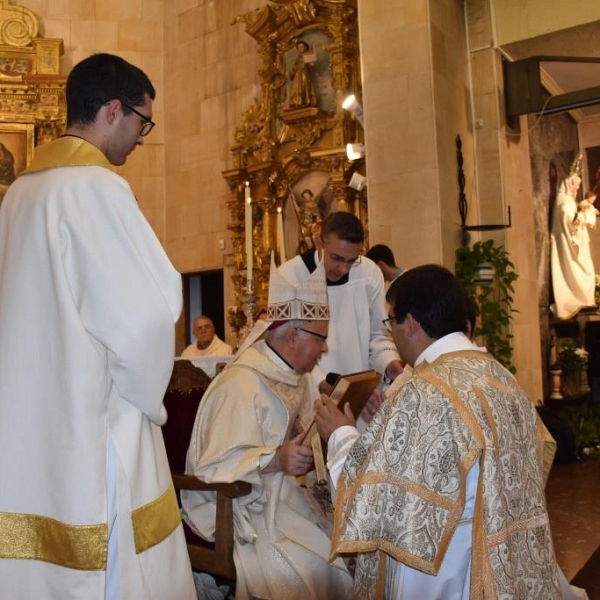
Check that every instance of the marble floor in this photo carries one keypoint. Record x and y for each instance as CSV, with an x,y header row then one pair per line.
x,y
573,497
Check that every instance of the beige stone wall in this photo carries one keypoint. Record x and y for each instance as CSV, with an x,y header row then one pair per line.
x,y
211,77
134,30
415,75
205,73
427,83
400,133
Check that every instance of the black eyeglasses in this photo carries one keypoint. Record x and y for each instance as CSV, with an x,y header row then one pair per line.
x,y
322,337
389,322
148,123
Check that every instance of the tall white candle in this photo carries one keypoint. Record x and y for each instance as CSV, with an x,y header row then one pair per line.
x,y
280,237
248,215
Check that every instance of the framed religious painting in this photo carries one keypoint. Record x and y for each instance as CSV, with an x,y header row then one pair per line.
x,y
16,151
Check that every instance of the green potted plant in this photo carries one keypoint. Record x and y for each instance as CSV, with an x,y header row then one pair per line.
x,y
573,362
488,275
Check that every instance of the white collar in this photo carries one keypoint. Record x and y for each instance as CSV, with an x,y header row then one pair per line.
x,y
452,342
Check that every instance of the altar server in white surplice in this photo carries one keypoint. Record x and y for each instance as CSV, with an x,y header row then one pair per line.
x,y
247,429
87,507
357,340
443,495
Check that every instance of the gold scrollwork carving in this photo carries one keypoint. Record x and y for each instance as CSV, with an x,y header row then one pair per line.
x,y
18,25
32,91
290,144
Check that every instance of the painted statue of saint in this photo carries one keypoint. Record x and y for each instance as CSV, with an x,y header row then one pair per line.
x,y
302,90
573,274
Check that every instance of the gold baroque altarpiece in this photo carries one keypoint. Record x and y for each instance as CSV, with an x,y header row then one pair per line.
x,y
31,88
291,144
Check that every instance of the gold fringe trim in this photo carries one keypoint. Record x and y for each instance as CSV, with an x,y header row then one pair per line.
x,y
155,521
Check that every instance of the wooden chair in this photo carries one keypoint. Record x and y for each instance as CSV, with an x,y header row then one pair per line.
x,y
182,398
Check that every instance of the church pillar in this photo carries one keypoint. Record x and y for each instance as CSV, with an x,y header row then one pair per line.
x,y
425,80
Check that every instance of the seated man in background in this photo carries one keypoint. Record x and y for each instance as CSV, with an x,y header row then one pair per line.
x,y
357,339
443,495
247,429
207,342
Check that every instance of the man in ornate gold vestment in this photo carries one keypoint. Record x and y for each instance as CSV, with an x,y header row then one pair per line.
x,y
443,495
247,429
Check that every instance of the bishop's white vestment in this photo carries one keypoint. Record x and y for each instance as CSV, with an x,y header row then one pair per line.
x,y
88,301
246,413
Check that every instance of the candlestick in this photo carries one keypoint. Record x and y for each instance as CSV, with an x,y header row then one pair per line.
x,y
249,252
280,236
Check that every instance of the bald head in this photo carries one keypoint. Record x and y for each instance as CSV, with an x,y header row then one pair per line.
x,y
204,330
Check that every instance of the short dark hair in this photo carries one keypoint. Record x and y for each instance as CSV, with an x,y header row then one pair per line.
x,y
433,296
383,253
345,225
471,313
99,79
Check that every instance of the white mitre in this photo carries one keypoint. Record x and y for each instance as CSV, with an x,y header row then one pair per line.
x,y
305,300
287,301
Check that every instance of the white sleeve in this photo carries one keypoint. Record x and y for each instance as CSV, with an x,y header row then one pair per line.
x,y
382,349
128,294
338,447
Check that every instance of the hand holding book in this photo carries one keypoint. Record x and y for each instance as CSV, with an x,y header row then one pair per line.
x,y
354,390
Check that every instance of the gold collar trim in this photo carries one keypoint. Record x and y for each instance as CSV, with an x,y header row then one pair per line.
x,y
67,151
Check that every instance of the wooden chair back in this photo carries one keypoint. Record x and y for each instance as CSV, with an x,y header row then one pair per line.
x,y
182,398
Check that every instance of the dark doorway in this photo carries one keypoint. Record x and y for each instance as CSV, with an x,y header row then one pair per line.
x,y
203,295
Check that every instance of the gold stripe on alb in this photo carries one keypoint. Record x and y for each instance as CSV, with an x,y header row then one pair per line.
x,y
155,521
33,537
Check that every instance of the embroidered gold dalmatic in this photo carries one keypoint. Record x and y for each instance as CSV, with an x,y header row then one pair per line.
x,y
402,490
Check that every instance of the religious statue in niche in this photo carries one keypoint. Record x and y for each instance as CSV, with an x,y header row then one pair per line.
x,y
572,269
309,73
302,91
309,217
311,200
